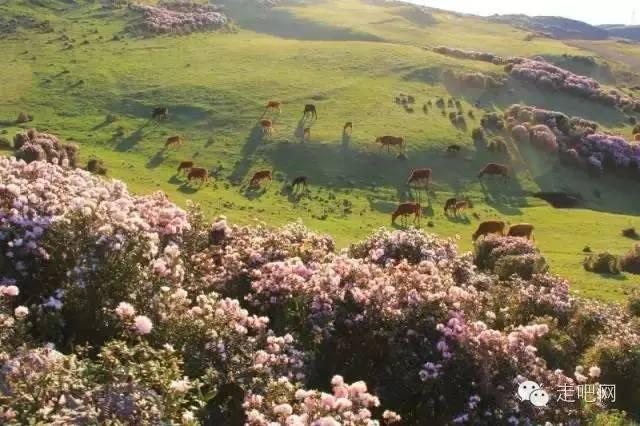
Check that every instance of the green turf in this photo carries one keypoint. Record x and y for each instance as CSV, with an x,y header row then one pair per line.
x,y
350,59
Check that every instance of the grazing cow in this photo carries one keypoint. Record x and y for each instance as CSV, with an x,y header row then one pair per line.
x,y
198,173
161,113
449,204
267,126
407,209
173,141
390,141
494,169
310,109
452,149
273,106
524,230
306,134
184,165
420,176
348,128
460,206
259,176
300,180
489,227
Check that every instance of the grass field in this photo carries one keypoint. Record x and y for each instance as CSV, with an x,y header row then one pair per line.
x,y
351,59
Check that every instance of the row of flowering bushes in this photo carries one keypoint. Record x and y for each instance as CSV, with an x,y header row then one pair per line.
x,y
548,76
577,140
179,17
116,308
471,54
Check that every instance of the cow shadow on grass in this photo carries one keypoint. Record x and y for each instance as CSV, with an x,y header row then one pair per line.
x,y
157,159
333,165
253,193
128,142
251,144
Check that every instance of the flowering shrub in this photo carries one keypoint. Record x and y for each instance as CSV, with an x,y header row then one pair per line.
x,y
543,139
630,262
552,77
491,248
602,263
190,322
470,54
180,17
35,146
285,403
412,245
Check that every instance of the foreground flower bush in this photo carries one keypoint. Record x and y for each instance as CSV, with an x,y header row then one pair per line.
x,y
124,309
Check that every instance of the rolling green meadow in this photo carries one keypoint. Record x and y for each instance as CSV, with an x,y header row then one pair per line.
x,y
350,58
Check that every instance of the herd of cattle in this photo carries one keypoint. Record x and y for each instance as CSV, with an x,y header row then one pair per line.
x,y
419,178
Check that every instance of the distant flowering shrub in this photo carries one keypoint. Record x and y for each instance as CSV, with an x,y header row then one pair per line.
x,y
36,146
190,322
470,54
552,77
181,17
577,140
602,263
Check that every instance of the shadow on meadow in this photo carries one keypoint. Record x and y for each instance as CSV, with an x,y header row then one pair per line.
x,y
251,144
333,165
281,22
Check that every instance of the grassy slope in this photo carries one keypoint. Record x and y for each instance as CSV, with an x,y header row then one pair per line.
x,y
350,59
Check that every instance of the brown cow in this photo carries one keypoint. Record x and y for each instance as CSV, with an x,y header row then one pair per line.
x,y
348,128
267,126
300,180
310,109
389,141
173,141
406,209
420,176
460,206
489,227
198,173
306,134
259,176
494,169
161,113
524,230
449,204
184,165
273,106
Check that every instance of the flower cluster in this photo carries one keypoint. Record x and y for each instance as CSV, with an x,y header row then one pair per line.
x,y
37,146
287,404
411,245
195,322
180,17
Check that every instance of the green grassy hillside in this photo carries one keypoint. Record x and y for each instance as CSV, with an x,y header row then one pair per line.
x,y
351,59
